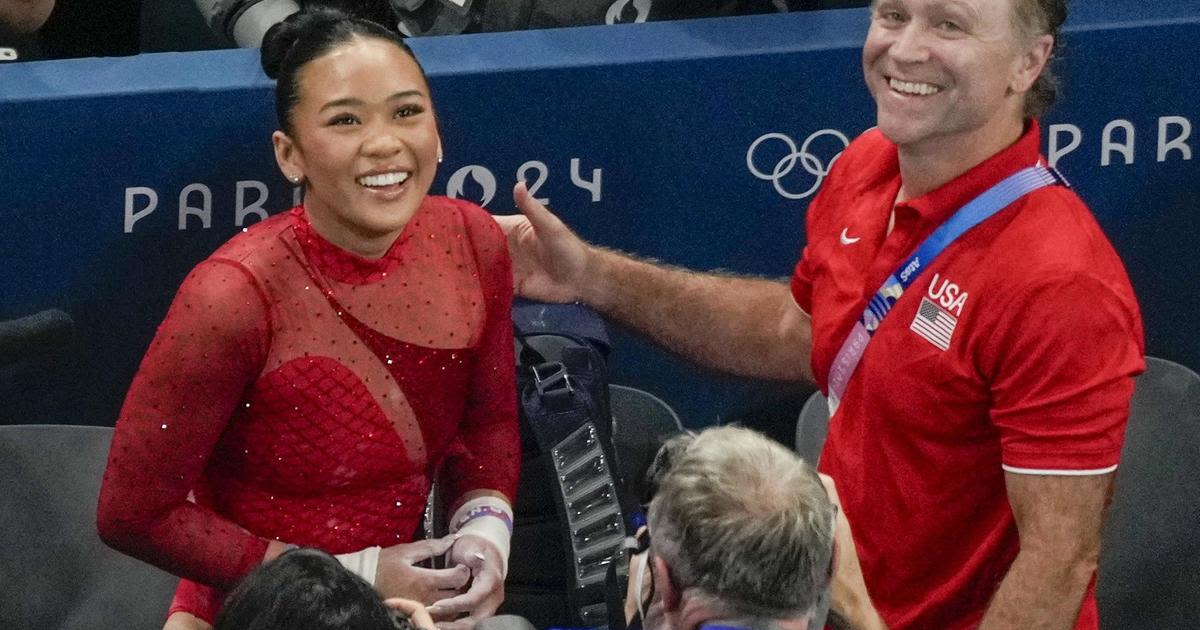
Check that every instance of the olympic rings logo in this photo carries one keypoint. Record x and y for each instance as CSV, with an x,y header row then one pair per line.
x,y
810,162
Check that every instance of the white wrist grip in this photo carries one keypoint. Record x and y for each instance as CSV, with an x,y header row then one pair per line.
x,y
361,563
488,517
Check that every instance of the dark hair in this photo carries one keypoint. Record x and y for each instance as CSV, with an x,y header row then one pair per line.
x,y
1034,18
378,11
291,44
306,589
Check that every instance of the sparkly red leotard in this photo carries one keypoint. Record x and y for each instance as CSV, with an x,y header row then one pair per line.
x,y
302,393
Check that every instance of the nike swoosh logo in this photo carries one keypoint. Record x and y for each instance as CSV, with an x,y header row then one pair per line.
x,y
846,240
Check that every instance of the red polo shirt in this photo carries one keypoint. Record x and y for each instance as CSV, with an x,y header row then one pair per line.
x,y
1015,351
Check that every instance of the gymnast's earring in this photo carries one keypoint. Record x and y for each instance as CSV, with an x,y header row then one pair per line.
x,y
441,156
295,179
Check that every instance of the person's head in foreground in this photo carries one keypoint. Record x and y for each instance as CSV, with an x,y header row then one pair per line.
x,y
308,589
741,532
357,125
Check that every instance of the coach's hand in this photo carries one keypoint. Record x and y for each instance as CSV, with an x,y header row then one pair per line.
x,y
550,263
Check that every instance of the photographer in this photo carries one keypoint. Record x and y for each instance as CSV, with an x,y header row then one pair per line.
x,y
741,536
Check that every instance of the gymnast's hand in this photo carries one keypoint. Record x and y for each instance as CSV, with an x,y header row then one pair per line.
x,y
487,585
550,263
414,610
396,575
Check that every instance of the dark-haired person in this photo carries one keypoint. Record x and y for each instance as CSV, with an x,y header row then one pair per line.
x,y
308,589
315,373
979,395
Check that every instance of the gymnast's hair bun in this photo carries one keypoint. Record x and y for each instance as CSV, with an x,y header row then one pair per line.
x,y
282,37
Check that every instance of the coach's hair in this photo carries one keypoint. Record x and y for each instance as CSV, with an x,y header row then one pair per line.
x,y
743,523
1034,18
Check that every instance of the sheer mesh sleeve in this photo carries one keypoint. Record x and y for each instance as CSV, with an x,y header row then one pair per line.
x,y
209,348
490,457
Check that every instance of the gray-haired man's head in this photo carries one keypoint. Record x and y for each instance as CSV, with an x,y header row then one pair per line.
x,y
744,524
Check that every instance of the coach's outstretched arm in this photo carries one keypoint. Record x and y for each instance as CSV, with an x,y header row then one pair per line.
x,y
746,326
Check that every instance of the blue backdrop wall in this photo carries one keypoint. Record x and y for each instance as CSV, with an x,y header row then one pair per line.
x,y
671,140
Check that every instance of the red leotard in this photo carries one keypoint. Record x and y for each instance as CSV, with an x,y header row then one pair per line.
x,y
301,393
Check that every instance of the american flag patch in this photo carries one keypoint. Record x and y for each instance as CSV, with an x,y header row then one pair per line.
x,y
934,324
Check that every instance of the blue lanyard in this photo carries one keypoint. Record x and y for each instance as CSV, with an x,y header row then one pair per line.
x,y
973,213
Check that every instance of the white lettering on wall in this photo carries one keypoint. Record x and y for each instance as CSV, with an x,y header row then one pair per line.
x,y
1179,142
204,212
196,202
1109,146
256,208
543,172
1120,137
478,183
592,186
1055,152
131,195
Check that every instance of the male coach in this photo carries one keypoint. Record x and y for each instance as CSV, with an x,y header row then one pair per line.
x,y
973,328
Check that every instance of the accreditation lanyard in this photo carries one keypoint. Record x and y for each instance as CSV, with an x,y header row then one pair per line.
x,y
973,213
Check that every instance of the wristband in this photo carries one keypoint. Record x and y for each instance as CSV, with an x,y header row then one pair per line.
x,y
490,518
